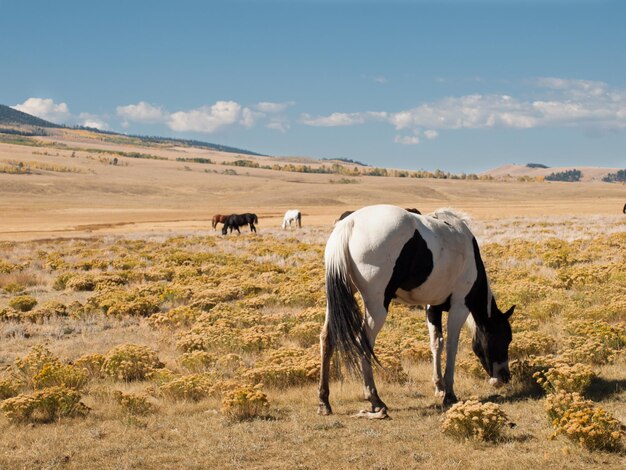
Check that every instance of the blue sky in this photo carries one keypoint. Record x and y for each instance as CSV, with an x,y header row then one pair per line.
x,y
461,85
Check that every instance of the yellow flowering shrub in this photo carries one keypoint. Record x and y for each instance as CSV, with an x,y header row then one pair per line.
x,y
197,361
192,387
134,404
44,405
588,351
8,388
306,334
523,370
223,336
531,343
178,317
26,368
416,350
54,374
50,309
565,378
391,369
474,420
79,282
285,367
130,362
581,421
245,403
91,363
23,303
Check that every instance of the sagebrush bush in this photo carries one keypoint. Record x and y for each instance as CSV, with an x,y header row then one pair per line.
x,y
134,404
192,387
245,403
130,362
23,303
565,378
44,406
197,361
55,374
50,309
531,343
285,367
474,420
91,363
9,388
583,422
26,368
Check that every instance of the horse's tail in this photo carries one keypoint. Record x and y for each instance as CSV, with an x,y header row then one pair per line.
x,y
214,222
300,219
344,322
256,219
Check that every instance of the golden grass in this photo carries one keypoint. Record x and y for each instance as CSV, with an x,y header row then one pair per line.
x,y
261,300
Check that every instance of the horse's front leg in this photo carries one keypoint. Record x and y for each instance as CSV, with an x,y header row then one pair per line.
x,y
326,351
433,319
456,318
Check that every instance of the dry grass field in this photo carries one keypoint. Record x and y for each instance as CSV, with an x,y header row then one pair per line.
x,y
135,336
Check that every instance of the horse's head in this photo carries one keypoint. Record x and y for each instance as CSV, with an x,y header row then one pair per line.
x,y
491,345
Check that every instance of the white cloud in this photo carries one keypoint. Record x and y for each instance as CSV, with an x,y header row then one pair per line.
x,y
45,108
335,119
407,139
279,125
141,112
271,108
567,103
93,120
206,119
249,117
381,79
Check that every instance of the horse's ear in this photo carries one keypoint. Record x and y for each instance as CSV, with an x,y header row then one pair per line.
x,y
509,312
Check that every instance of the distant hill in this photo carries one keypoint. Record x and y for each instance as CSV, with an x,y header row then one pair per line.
x,y
10,116
589,173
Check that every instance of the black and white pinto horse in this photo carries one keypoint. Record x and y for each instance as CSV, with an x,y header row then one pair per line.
x,y
386,252
234,221
292,215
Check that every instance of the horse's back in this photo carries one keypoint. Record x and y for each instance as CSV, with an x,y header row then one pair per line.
x,y
387,239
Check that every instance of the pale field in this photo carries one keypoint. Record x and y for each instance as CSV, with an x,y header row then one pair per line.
x,y
149,201
144,195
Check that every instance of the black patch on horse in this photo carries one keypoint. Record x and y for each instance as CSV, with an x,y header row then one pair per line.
x,y
476,299
412,268
433,313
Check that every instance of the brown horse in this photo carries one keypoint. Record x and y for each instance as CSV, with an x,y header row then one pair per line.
x,y
218,219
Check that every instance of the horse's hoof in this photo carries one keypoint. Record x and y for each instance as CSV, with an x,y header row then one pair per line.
x,y
380,414
324,410
449,399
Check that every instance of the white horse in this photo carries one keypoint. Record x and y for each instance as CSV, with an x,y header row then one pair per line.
x,y
386,252
293,215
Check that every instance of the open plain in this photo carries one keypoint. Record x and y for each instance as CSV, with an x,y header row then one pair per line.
x,y
177,347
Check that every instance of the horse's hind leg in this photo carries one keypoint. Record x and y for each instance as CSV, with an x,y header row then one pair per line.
x,y
433,315
326,351
374,319
252,227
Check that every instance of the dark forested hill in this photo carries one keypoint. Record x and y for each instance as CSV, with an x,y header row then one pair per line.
x,y
13,116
